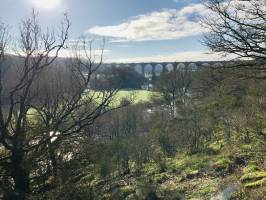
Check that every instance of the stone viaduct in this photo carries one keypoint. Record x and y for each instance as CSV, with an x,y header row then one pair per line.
x,y
151,69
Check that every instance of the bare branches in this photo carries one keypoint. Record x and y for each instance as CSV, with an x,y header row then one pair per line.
x,y
237,27
175,86
36,52
49,101
3,40
73,102
3,44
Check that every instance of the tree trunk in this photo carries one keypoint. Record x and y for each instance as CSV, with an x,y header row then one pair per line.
x,y
53,161
20,175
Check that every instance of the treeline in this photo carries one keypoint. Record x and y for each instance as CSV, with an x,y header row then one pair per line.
x,y
118,77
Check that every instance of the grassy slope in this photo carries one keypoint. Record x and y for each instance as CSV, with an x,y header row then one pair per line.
x,y
137,95
197,176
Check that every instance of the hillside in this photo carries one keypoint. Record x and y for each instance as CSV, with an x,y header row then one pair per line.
x,y
220,172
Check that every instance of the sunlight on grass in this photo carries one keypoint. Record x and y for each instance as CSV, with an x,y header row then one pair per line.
x,y
133,96
137,96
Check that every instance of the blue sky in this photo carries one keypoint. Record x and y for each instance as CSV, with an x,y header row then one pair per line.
x,y
135,30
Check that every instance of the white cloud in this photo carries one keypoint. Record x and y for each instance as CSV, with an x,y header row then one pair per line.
x,y
164,25
191,56
96,53
45,4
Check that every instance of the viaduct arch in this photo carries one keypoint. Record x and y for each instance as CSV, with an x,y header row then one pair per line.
x,y
154,69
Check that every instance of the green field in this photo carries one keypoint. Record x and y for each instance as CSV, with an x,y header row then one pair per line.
x,y
137,96
134,96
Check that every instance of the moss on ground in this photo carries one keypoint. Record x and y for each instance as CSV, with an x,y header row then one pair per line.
x,y
257,183
186,176
251,167
254,179
222,166
201,188
189,163
127,190
253,176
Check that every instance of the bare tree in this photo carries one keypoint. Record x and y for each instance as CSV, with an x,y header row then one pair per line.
x,y
3,46
47,105
237,27
36,54
175,87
